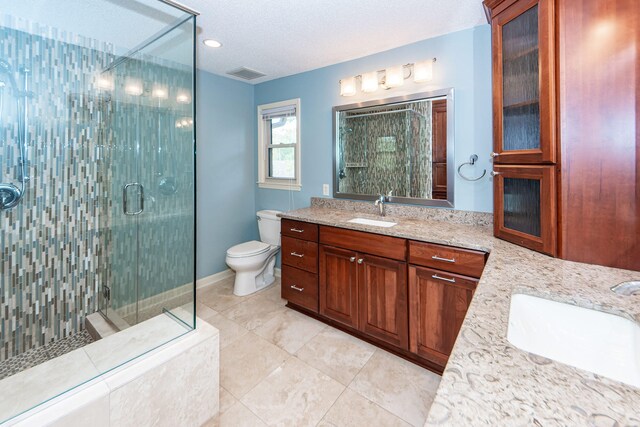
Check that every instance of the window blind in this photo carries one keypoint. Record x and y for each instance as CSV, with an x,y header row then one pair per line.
x,y
278,112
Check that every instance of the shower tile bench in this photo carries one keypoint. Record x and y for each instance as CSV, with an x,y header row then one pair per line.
x,y
164,383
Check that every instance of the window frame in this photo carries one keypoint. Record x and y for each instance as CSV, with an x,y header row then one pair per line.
x,y
264,144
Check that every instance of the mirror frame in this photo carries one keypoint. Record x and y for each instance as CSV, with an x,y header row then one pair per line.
x,y
448,93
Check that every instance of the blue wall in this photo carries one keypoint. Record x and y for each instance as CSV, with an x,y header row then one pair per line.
x,y
225,169
228,196
463,62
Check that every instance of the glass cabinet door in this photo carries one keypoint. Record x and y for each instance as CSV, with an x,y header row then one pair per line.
x,y
523,62
525,206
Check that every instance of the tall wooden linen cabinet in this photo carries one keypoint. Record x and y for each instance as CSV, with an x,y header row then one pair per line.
x,y
565,123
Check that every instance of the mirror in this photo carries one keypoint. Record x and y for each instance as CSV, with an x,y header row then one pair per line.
x,y
402,147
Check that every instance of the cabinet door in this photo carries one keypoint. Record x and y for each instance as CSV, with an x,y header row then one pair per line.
x,y
525,206
338,285
382,289
438,304
524,83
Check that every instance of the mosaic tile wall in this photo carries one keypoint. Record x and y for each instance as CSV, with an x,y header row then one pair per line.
x,y
387,152
69,237
51,241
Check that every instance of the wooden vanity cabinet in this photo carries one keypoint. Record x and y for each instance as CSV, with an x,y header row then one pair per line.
x,y
361,290
339,285
438,302
442,280
300,263
382,297
364,285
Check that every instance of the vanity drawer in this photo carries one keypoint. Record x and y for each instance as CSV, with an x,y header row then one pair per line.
x,y
300,287
457,260
368,243
299,229
300,254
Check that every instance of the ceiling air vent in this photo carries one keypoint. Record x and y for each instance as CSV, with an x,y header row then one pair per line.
x,y
246,73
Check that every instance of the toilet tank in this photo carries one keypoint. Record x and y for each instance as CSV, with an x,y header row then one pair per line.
x,y
269,227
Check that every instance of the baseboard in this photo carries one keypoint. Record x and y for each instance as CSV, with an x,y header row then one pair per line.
x,y
214,278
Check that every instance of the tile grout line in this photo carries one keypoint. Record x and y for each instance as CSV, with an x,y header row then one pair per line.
x,y
332,379
260,382
331,407
366,398
375,403
345,386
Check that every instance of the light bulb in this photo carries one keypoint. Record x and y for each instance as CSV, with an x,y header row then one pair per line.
x,y
370,81
183,97
160,92
348,86
105,82
394,76
212,43
423,71
133,87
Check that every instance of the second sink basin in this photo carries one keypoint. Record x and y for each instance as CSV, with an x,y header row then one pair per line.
x,y
366,221
598,342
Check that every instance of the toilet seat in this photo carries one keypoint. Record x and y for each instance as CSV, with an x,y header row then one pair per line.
x,y
248,249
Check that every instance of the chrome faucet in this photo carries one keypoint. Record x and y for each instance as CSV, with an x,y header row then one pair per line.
x,y
380,201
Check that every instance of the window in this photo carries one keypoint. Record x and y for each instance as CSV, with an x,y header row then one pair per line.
x,y
279,145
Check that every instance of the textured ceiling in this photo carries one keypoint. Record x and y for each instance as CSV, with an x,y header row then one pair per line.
x,y
276,37
284,37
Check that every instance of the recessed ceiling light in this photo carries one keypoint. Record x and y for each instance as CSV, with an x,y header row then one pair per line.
x,y
212,43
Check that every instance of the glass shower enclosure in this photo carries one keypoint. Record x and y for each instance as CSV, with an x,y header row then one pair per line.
x,y
97,186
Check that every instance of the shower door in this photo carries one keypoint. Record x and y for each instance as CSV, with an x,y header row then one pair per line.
x,y
151,172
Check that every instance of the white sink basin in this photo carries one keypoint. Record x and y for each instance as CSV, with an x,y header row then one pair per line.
x,y
598,342
366,221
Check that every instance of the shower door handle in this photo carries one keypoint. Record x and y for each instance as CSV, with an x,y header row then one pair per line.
x,y
125,191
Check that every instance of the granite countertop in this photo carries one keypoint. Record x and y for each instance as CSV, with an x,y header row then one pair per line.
x,y
489,381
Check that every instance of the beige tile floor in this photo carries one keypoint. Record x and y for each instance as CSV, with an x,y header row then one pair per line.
x,y
281,368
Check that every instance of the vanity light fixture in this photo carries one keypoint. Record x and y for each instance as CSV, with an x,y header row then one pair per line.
x,y
212,43
389,78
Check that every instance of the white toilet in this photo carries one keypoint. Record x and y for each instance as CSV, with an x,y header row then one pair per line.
x,y
254,261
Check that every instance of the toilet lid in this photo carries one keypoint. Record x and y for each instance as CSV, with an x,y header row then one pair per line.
x,y
248,249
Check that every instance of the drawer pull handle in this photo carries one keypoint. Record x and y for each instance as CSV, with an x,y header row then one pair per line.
x,y
296,254
360,261
437,258
352,259
295,230
452,280
297,288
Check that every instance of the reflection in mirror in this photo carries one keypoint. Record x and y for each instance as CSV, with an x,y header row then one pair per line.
x,y
397,147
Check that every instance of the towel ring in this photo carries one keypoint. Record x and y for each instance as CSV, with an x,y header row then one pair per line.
x,y
472,161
